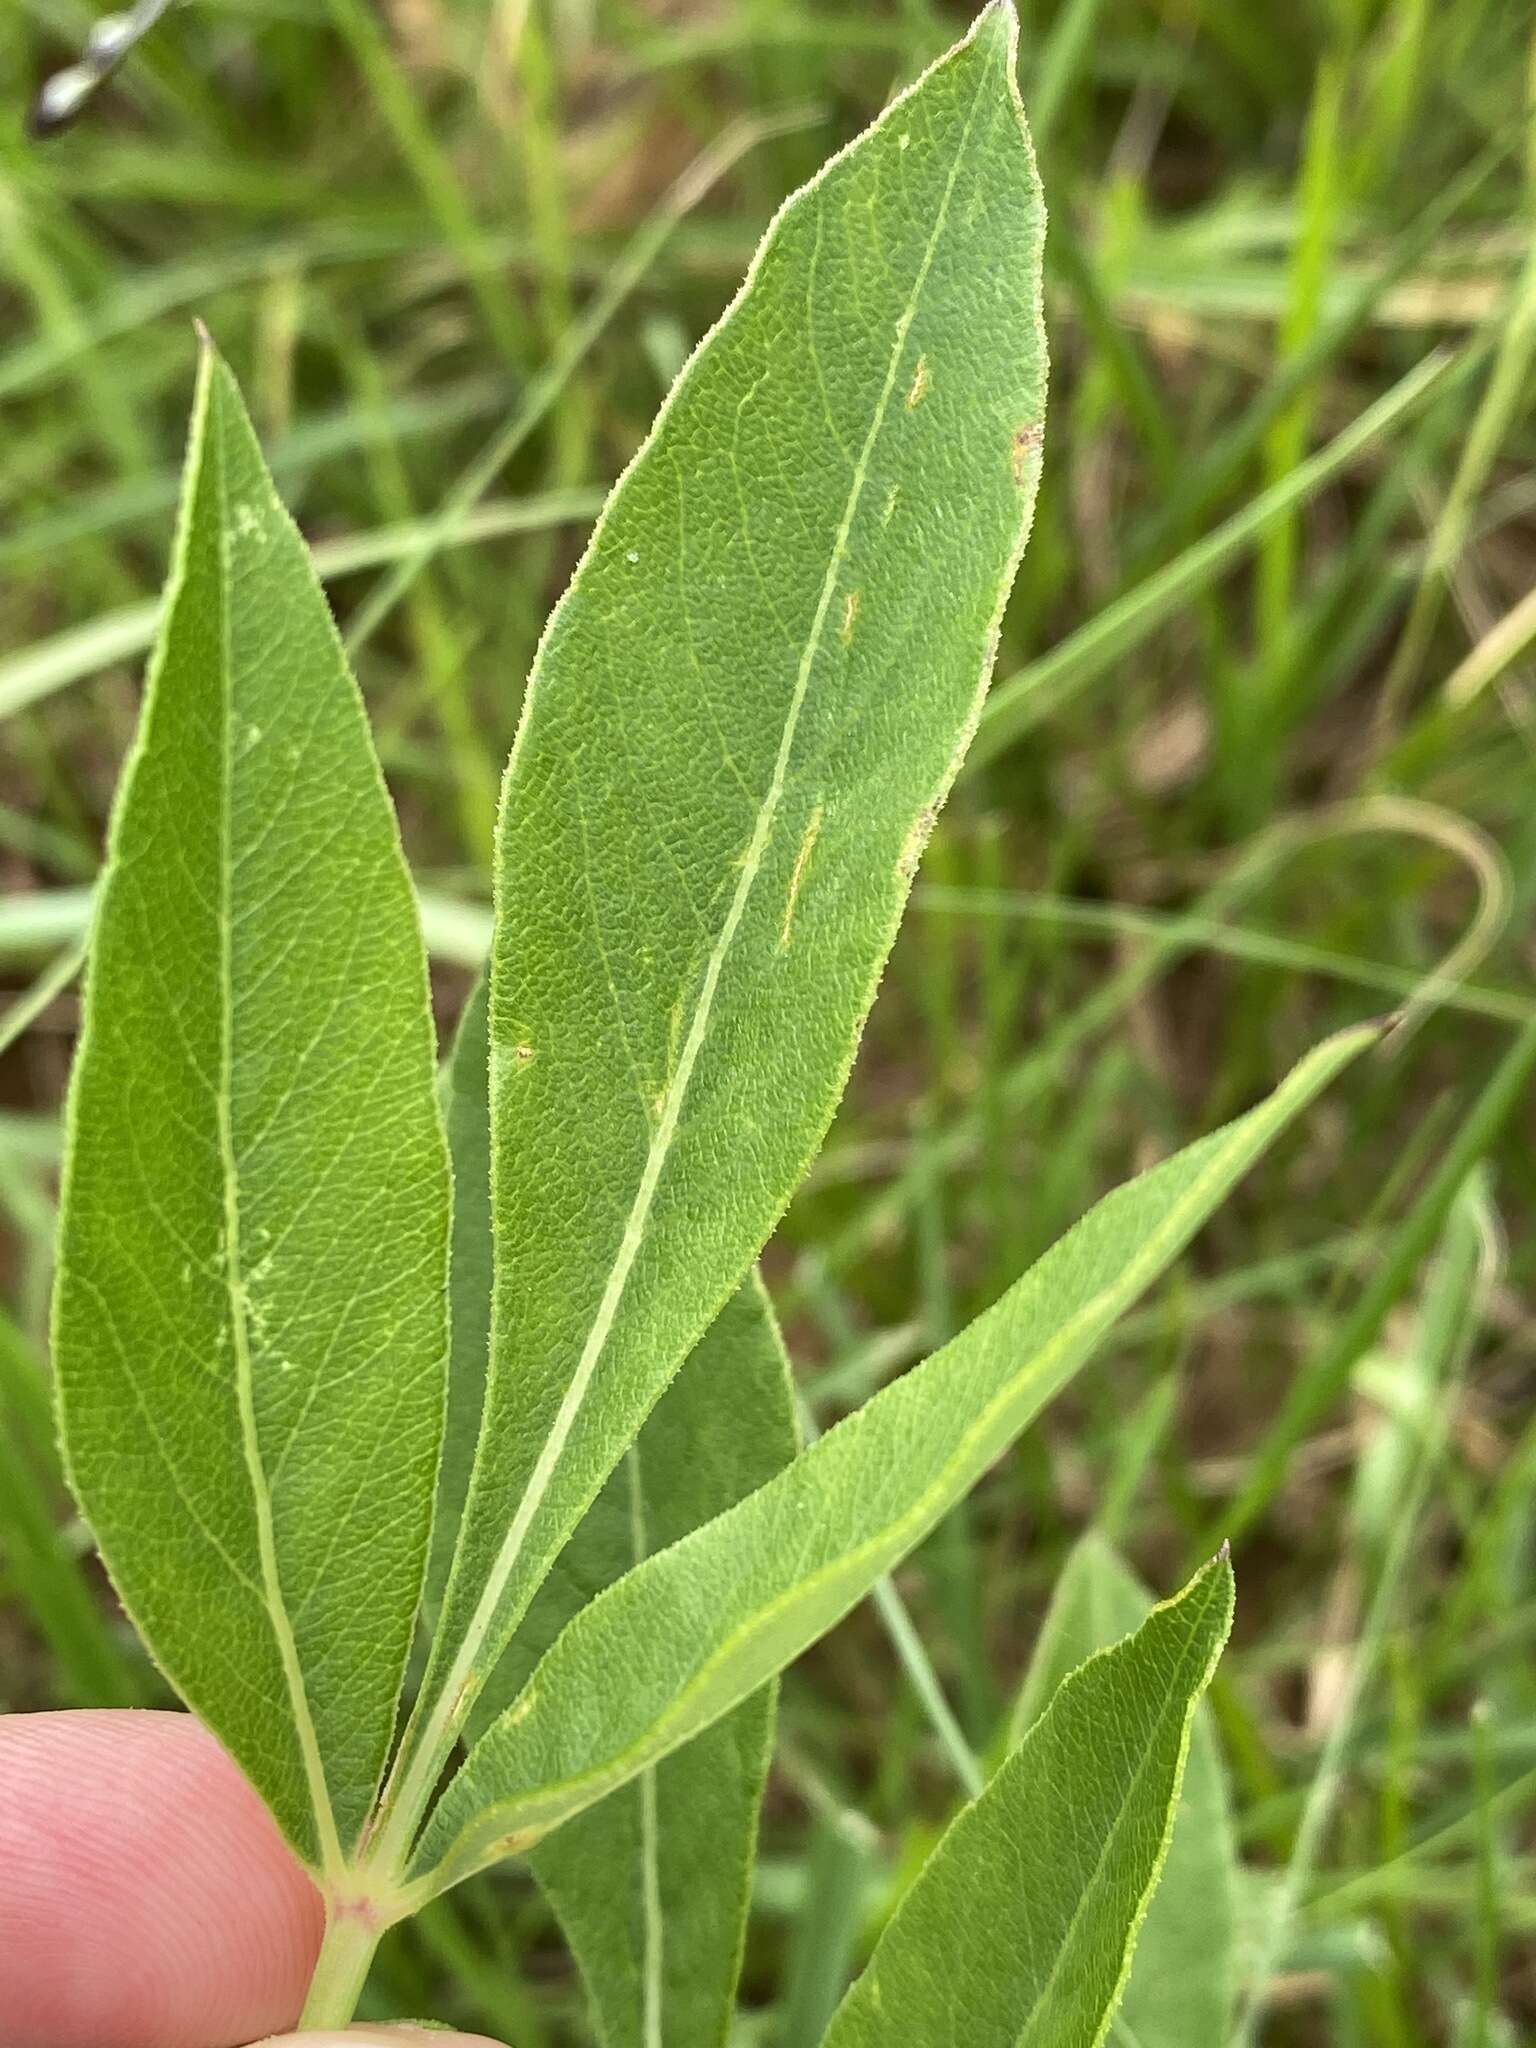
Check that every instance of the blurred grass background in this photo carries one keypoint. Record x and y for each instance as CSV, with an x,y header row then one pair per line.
x,y
1261,759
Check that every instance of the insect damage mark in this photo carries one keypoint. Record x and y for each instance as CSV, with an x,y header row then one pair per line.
x,y
850,616
1027,442
920,382
797,879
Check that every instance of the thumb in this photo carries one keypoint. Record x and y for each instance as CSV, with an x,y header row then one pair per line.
x,y
383,2037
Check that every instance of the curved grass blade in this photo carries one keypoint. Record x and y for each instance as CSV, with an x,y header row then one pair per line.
x,y
1018,1932
698,1627
249,1321
741,720
1182,1984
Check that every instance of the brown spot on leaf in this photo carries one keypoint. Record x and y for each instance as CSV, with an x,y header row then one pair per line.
x,y
1026,442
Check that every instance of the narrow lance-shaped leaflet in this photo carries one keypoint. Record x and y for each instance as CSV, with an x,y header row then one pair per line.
x,y
741,720
249,1317
1183,1978
699,1626
1019,1930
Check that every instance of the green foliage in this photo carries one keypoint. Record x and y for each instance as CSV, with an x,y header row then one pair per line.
x,y
1183,1975
700,1626
741,721
1018,1931
717,797
652,1885
249,1326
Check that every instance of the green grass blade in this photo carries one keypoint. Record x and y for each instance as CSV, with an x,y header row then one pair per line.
x,y
824,1941
1020,702
40,671
1455,1298
92,1669
1499,411
1019,1930
1315,1389
726,772
249,1321
700,1626
44,920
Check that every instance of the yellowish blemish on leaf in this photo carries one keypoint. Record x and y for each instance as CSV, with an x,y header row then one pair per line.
x,y
917,839
920,382
797,879
889,506
850,615
1026,442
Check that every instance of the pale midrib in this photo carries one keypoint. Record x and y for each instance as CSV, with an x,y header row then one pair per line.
x,y
663,1735
654,1947
331,1857
461,1684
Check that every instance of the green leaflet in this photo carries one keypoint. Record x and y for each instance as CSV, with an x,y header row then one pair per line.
x,y
249,1322
1182,1982
652,1885
1017,1932
742,717
700,1626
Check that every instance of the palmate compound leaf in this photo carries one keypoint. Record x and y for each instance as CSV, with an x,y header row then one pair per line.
x,y
249,1319
1017,1931
1182,1982
651,1886
699,1626
742,717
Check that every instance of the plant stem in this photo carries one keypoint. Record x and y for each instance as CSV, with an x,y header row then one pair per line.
x,y
346,1955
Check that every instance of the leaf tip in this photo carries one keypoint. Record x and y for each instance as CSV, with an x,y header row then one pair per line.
x,y
997,28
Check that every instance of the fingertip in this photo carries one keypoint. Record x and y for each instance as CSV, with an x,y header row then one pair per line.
x,y
147,1899
400,2036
